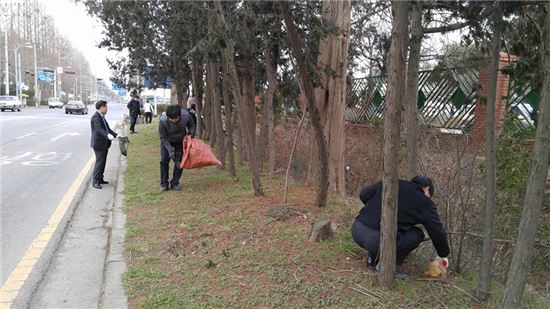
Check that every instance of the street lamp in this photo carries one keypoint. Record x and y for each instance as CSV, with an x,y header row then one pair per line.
x,y
18,68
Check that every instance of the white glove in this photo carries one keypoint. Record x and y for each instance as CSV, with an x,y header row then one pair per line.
x,y
444,262
110,137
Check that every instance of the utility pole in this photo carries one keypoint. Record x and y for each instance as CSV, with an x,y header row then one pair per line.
x,y
36,90
19,78
7,78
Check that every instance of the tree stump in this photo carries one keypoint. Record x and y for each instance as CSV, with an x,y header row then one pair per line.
x,y
322,230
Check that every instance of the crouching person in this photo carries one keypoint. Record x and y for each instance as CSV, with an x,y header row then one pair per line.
x,y
174,125
414,206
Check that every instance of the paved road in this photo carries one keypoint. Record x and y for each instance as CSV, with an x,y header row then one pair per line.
x,y
42,152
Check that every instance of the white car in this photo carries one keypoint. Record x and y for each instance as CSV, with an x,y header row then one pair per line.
x,y
55,103
10,102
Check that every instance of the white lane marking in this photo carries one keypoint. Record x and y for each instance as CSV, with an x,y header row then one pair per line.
x,y
23,136
21,272
64,134
61,123
26,154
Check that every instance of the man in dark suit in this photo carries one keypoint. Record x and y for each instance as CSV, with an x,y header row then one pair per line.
x,y
134,108
102,136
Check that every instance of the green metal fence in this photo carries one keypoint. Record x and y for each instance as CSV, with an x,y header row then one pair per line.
x,y
522,104
445,98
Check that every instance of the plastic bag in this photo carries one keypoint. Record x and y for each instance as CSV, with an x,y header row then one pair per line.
x,y
197,154
123,142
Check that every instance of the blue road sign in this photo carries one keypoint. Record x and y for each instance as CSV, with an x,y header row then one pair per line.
x,y
45,76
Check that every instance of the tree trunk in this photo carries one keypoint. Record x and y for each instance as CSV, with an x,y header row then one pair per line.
x,y
229,144
484,288
536,182
411,97
331,95
266,144
249,107
197,92
322,190
207,114
216,113
238,132
392,123
228,54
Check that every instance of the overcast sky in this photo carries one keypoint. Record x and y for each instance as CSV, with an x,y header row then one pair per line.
x,y
83,31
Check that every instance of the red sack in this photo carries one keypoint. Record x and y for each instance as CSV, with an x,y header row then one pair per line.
x,y
197,154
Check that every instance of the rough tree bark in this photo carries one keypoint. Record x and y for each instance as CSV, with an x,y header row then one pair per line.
x,y
411,97
216,112
249,108
322,190
536,182
331,95
228,57
392,123
266,145
196,72
484,287
229,126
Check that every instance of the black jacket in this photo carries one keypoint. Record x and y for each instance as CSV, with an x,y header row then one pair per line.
x,y
134,107
413,207
175,132
100,130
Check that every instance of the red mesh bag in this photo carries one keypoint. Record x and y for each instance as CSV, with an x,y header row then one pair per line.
x,y
197,154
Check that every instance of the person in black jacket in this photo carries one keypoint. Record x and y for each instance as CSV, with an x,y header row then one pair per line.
x,y
174,125
102,136
414,206
134,108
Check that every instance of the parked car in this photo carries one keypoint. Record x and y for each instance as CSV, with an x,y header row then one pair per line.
x,y
54,102
76,107
10,102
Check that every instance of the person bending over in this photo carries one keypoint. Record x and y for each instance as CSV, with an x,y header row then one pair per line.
x,y
414,206
174,125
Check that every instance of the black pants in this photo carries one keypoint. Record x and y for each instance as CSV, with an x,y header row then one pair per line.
x,y
133,120
148,117
99,167
369,240
165,165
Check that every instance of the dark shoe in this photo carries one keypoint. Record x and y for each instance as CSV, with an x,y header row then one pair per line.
x,y
371,263
132,132
163,188
103,182
97,186
175,188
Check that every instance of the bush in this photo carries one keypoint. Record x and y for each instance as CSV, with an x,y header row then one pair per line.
x,y
161,108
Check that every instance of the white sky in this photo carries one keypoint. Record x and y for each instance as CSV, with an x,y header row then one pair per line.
x,y
83,31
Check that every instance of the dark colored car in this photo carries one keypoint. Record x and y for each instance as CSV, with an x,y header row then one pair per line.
x,y
76,107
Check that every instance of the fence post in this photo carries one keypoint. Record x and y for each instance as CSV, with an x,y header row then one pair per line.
x,y
480,114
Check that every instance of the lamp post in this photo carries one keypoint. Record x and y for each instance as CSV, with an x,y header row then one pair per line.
x,y
7,90
36,90
17,68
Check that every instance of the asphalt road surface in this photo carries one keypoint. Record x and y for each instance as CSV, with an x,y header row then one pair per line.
x,y
42,152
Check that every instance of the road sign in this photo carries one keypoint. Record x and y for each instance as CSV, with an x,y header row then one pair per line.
x,y
45,76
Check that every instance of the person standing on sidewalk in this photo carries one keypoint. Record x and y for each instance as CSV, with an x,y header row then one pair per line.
x,y
135,110
148,110
174,125
102,135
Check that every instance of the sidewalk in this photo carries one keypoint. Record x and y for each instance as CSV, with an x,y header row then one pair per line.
x,y
86,270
